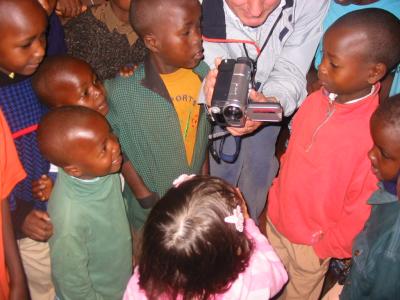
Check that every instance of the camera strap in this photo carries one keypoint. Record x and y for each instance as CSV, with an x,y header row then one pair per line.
x,y
231,158
254,62
219,155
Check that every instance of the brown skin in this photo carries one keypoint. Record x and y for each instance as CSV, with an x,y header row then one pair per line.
x,y
93,150
23,36
22,28
177,45
48,5
345,69
175,39
76,84
18,287
385,153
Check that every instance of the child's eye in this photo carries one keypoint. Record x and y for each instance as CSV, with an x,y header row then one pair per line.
x,y
385,155
334,65
27,45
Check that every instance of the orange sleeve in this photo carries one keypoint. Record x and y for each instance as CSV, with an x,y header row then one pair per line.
x,y
11,170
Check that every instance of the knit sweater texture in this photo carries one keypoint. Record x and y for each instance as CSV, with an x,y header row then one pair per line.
x,y
89,39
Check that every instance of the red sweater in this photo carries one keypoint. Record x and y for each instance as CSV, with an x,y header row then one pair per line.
x,y
320,196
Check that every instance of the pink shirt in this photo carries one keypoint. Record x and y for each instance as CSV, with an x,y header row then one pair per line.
x,y
262,279
320,196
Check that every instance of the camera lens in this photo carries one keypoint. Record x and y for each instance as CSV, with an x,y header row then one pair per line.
x,y
233,113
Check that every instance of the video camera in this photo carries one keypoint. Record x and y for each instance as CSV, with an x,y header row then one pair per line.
x,y
230,103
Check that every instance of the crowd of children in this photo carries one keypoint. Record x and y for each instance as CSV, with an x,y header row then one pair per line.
x,y
93,201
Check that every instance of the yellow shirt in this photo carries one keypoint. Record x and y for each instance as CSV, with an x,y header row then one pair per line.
x,y
184,86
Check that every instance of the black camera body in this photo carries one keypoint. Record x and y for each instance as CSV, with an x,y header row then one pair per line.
x,y
230,103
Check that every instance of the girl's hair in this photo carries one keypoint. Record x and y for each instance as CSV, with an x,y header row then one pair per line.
x,y
188,249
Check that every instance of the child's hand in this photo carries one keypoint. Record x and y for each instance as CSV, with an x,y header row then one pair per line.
x,y
41,188
37,226
243,205
127,71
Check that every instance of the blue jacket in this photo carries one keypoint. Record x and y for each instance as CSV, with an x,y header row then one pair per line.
x,y
375,270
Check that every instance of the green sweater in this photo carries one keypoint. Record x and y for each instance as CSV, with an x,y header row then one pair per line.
x,y
143,116
91,249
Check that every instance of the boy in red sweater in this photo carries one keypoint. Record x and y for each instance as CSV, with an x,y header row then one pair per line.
x,y
317,204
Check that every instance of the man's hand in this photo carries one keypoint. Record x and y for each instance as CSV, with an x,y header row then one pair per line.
x,y
250,126
209,81
41,188
37,226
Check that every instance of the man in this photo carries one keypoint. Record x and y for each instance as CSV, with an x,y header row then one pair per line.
x,y
280,37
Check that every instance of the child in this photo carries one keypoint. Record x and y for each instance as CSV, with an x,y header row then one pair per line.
x,y
163,132
12,283
74,82
197,245
338,8
103,37
376,251
317,204
22,29
91,252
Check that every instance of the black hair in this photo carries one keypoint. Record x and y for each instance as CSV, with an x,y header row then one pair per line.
x,y
187,248
43,78
143,14
388,112
383,33
53,131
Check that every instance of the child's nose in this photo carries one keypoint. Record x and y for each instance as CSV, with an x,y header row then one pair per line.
x,y
39,48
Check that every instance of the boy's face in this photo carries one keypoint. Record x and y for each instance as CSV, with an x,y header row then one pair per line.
x,y
78,85
178,37
344,69
252,12
23,41
96,150
385,154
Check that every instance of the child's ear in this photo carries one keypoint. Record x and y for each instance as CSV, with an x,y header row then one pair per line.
x,y
73,170
150,42
376,73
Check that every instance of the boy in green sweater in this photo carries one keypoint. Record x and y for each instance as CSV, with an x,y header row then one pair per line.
x,y
91,252
162,130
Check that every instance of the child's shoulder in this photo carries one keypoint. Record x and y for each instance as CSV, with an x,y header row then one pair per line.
x,y
202,69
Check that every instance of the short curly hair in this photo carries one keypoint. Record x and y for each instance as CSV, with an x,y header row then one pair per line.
x,y
188,249
382,31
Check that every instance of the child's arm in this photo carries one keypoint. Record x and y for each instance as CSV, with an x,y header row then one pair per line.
x,y
69,260
41,188
18,288
145,197
205,169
